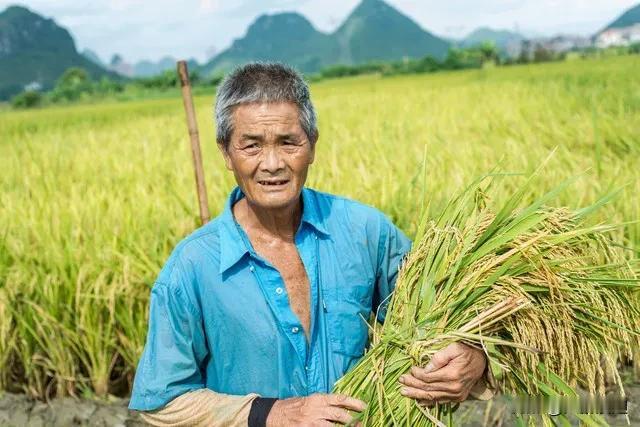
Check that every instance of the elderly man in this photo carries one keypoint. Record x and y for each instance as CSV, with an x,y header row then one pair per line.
x,y
256,314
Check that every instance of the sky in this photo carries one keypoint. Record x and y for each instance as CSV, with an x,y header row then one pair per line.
x,y
145,29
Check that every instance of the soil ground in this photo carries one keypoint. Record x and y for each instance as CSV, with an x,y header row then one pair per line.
x,y
18,410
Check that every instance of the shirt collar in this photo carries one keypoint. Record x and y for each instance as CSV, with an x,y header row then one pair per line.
x,y
311,213
232,247
232,242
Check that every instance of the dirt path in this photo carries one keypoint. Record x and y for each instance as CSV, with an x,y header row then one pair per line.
x,y
19,411
498,413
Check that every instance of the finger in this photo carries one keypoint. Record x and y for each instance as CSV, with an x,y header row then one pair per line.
x,y
432,403
347,402
452,374
427,403
444,374
338,415
446,386
442,357
412,381
430,396
447,397
416,393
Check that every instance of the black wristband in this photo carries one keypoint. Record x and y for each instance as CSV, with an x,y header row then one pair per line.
x,y
260,408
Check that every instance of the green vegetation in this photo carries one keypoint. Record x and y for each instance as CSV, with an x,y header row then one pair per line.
x,y
27,99
478,56
75,85
546,296
94,197
456,59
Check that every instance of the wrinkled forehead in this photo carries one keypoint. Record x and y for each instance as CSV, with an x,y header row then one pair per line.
x,y
265,117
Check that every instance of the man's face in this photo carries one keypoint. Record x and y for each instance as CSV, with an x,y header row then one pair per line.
x,y
269,153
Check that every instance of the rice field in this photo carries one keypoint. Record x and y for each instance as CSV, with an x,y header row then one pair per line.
x,y
94,197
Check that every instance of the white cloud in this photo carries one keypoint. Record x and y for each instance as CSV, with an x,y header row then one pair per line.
x,y
210,5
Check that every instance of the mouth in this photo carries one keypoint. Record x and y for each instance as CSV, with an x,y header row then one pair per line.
x,y
273,182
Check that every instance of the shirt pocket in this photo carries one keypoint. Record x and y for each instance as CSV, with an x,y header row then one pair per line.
x,y
358,292
348,311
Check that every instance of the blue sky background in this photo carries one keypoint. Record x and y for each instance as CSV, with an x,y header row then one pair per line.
x,y
145,29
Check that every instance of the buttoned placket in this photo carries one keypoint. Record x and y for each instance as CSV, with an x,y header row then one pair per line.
x,y
274,290
314,282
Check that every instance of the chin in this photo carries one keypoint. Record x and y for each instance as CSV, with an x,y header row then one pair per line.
x,y
276,200
271,202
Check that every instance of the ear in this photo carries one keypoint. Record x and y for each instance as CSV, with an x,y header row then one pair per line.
x,y
225,154
313,146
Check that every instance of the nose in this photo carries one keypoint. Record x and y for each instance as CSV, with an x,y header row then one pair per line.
x,y
272,160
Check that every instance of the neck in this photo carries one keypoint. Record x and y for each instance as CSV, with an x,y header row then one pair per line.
x,y
276,223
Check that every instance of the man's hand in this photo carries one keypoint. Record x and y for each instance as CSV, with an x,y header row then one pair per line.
x,y
318,410
449,376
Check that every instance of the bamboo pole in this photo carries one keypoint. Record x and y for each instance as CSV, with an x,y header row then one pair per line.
x,y
192,124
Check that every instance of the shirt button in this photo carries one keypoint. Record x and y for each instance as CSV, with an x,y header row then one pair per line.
x,y
278,291
295,329
252,269
306,368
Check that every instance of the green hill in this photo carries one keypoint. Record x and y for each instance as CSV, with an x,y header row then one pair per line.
x,y
627,19
35,50
377,31
501,38
373,31
269,38
93,57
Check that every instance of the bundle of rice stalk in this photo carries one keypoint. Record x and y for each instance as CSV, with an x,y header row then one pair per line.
x,y
546,295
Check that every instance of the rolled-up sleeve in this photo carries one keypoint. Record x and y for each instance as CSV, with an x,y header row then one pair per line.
x,y
175,348
393,245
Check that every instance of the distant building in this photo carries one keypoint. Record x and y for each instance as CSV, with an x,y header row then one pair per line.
x,y
33,86
513,48
619,36
552,45
561,44
117,65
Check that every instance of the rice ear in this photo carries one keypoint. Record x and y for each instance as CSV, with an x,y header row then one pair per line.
x,y
547,291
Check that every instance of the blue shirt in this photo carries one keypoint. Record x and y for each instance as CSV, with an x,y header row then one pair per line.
x,y
220,317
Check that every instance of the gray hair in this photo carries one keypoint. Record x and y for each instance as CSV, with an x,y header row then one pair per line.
x,y
262,82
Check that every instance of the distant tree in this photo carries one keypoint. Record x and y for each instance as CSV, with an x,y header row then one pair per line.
x,y
489,52
106,86
27,99
340,70
458,59
165,80
194,77
116,60
541,54
73,84
428,64
454,59
74,77
215,80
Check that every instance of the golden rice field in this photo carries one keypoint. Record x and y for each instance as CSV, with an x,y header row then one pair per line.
x,y
94,197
